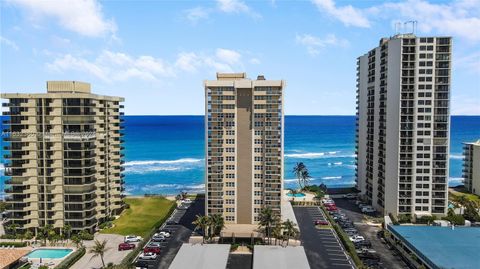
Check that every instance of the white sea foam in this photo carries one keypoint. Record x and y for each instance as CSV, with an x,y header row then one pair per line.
x,y
335,163
456,179
153,162
290,180
336,177
159,188
456,156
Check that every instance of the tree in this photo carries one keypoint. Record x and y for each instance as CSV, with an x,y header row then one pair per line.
x,y
77,240
202,223
267,220
471,212
12,228
217,223
290,230
28,235
293,192
277,231
99,249
67,230
298,170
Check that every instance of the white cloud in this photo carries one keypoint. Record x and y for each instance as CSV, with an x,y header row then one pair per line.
x,y
255,61
466,105
461,18
8,42
111,66
348,15
84,17
314,44
470,62
231,6
194,15
228,56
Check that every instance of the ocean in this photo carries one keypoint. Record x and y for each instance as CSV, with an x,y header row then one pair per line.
x,y
165,154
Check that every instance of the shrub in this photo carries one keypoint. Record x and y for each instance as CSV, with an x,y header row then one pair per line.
x,y
14,244
425,219
404,218
105,225
234,247
84,235
8,236
394,220
71,259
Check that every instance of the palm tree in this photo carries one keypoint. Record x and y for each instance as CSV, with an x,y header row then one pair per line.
x,y
67,230
298,171
99,249
202,223
277,231
290,229
267,220
301,172
217,223
293,192
13,228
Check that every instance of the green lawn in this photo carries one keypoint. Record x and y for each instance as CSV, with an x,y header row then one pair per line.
x,y
459,192
141,217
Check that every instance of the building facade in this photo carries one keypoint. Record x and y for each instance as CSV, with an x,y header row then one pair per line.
x,y
403,123
63,157
471,167
244,146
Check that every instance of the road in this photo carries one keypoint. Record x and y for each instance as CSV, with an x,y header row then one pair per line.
x,y
389,259
322,246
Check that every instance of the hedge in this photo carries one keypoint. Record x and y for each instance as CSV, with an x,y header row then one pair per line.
x,y
128,260
71,259
345,240
14,244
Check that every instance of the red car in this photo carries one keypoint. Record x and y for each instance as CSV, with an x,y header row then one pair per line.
x,y
321,222
125,246
155,250
331,208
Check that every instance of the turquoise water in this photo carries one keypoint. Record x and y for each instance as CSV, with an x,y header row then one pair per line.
x,y
442,246
296,195
165,154
49,253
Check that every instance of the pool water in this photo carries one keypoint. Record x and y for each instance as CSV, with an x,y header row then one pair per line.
x,y
50,253
296,195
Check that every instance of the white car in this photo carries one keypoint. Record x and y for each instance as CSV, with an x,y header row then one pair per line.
x,y
147,256
132,238
163,233
356,238
187,201
350,196
368,209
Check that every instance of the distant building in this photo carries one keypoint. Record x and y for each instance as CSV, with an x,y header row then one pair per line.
x,y
63,157
471,167
244,146
403,123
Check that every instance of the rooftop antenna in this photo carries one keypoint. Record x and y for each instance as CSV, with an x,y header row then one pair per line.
x,y
398,26
413,24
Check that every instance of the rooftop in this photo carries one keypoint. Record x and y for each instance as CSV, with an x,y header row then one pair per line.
x,y
201,256
277,257
442,247
10,256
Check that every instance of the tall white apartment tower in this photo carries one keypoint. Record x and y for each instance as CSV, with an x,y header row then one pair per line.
x,y
244,146
403,122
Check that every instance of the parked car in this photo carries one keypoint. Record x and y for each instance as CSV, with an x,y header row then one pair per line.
x,y
166,230
368,209
331,207
163,233
369,256
172,222
356,238
125,246
147,256
187,201
153,245
362,244
321,222
350,230
155,250
350,196
132,238
158,238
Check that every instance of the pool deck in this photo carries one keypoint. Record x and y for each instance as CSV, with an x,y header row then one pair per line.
x,y
442,247
307,197
51,262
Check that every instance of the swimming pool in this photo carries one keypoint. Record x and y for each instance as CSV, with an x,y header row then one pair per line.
x,y
50,253
296,195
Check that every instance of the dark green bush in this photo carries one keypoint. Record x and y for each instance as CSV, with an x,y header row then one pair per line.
x,y
71,259
14,244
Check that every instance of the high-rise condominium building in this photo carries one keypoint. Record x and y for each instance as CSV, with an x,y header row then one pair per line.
x,y
403,120
63,157
471,166
244,146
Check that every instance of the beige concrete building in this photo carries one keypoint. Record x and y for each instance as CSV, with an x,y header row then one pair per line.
x,y
63,157
471,166
244,146
403,123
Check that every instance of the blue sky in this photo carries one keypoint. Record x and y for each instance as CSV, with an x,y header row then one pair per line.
x,y
157,53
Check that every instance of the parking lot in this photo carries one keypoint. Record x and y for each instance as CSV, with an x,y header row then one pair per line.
x,y
181,228
322,246
388,259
